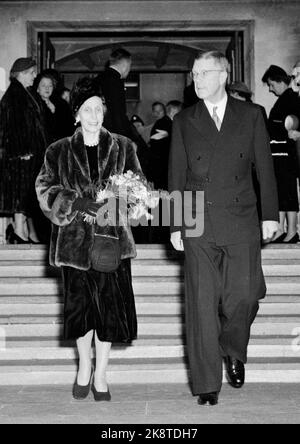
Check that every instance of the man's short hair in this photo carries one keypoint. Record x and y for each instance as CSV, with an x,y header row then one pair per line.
x,y
158,104
276,74
218,56
119,54
174,104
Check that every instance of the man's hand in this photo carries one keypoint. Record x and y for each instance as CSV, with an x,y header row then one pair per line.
x,y
160,134
293,134
269,229
177,241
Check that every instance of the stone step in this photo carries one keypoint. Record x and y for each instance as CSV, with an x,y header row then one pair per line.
x,y
141,285
141,372
142,319
151,251
148,352
261,327
146,341
155,299
32,269
143,308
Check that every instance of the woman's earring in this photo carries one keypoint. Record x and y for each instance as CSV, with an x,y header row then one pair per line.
x,y
77,120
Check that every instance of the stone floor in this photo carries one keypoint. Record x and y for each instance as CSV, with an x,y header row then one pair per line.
x,y
151,404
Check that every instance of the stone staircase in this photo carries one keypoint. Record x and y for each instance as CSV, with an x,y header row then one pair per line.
x,y
32,352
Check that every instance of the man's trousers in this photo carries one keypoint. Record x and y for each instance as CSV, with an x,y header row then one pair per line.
x,y
223,285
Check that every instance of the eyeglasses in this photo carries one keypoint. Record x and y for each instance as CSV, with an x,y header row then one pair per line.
x,y
294,76
204,73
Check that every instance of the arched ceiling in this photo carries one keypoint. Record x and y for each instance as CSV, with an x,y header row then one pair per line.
x,y
161,54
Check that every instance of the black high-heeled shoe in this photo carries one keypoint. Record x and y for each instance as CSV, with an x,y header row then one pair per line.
x,y
81,391
13,238
279,239
293,240
101,396
33,242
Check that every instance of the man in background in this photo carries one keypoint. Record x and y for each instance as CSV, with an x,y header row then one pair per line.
x,y
159,157
112,86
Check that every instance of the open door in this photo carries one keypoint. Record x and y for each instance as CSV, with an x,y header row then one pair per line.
x,y
235,55
46,52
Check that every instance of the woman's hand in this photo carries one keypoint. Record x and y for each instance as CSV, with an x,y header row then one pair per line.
x,y
86,205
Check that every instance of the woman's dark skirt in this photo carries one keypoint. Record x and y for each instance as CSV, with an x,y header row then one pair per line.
x,y
98,301
286,178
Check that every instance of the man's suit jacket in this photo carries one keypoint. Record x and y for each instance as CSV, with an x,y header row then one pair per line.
x,y
220,164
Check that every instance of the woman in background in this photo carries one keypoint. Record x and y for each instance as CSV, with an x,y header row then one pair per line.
x,y
58,117
22,148
283,152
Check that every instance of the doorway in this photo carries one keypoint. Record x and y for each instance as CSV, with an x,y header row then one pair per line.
x,y
162,53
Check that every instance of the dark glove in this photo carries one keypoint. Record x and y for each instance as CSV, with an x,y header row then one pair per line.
x,y
86,205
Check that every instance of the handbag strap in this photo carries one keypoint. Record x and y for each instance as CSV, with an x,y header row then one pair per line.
x,y
106,235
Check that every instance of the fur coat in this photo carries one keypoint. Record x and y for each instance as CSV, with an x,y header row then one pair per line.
x,y
65,176
21,135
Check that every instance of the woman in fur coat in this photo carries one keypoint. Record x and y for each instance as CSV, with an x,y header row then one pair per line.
x,y
97,304
22,148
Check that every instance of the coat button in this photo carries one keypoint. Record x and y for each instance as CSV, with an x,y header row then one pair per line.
x,y
199,158
209,203
207,179
236,200
236,177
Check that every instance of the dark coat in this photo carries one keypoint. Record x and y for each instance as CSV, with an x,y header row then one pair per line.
x,y
286,165
59,124
113,90
287,104
21,134
65,176
159,154
220,164
115,119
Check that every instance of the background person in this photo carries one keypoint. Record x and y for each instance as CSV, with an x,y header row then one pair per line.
x,y
295,85
240,91
22,147
111,83
283,152
158,110
65,94
58,119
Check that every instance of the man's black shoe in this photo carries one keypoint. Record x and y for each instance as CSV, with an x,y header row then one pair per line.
x,y
235,371
208,398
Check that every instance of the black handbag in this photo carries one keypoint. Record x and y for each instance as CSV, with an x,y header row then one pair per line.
x,y
106,253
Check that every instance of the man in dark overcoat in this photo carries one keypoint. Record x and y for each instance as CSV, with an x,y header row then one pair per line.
x,y
112,83
214,146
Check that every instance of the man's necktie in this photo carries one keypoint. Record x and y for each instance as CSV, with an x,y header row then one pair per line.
x,y
216,118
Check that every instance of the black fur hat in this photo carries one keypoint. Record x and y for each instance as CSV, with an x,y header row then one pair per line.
x,y
82,90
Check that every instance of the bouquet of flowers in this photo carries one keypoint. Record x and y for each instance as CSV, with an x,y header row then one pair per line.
x,y
133,190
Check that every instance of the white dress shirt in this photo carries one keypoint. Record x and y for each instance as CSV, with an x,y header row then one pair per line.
x,y
221,107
